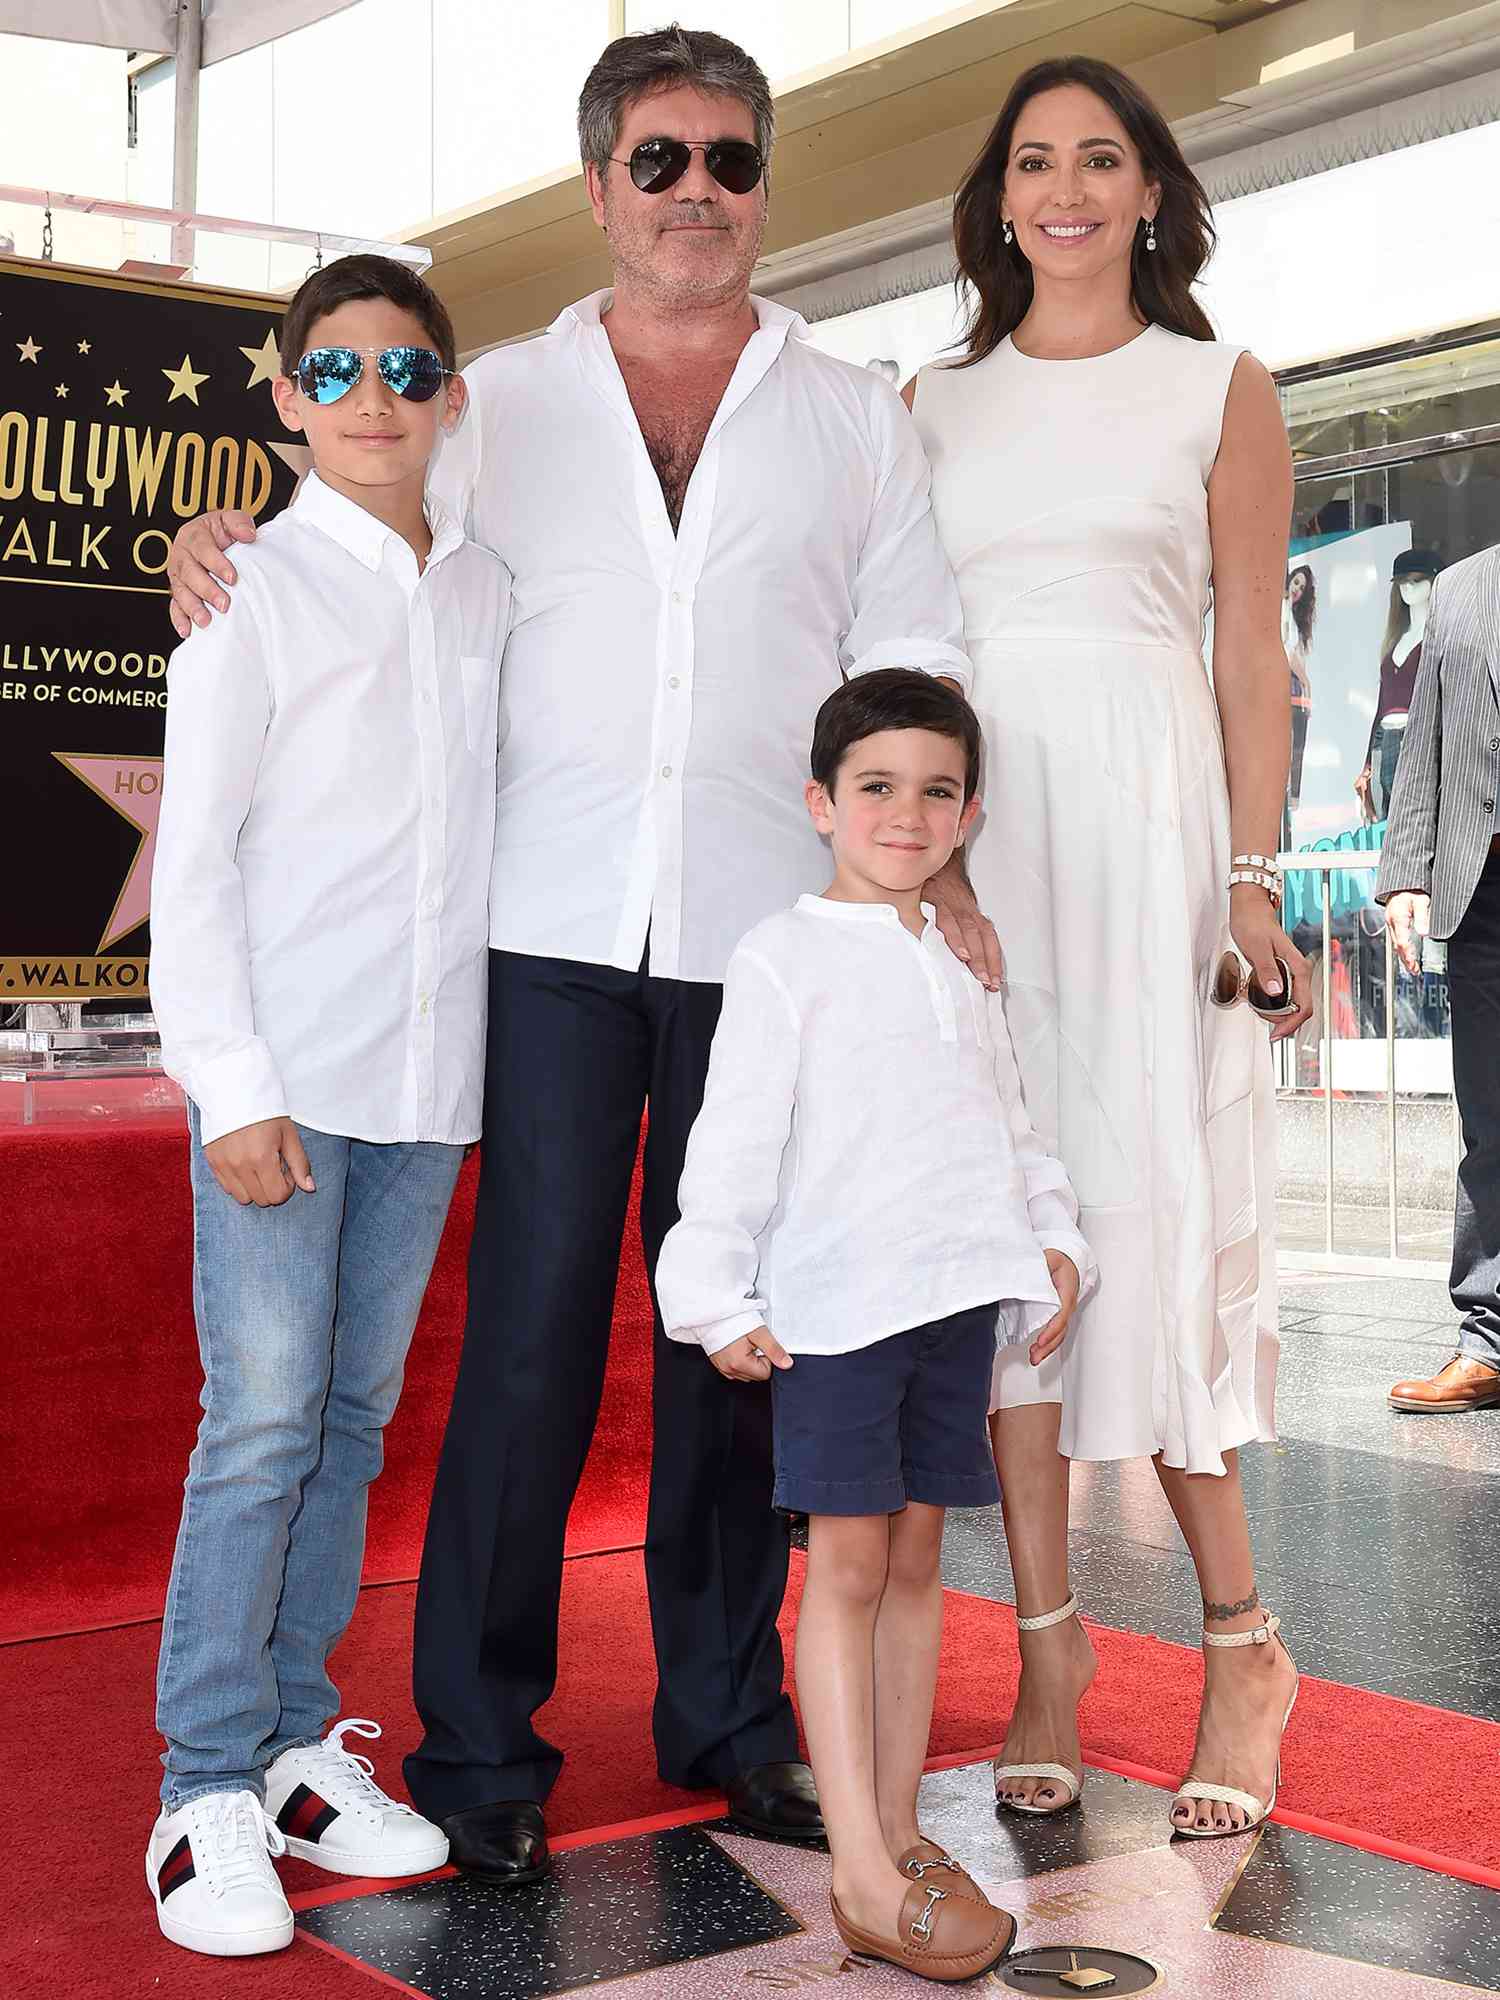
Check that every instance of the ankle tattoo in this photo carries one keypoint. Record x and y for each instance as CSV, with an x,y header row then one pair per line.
x,y
1250,1603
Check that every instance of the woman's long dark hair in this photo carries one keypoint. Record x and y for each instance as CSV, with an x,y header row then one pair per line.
x,y
994,278
1305,607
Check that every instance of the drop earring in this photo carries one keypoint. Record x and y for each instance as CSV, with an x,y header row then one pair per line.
x,y
1150,232
1008,235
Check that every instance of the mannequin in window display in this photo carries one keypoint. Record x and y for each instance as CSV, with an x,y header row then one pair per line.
x,y
1299,609
1400,656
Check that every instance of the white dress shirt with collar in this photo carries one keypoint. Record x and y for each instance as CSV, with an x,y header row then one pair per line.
x,y
319,913
863,1163
660,689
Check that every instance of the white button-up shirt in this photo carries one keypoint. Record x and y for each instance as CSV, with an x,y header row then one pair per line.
x,y
660,689
863,1163
319,913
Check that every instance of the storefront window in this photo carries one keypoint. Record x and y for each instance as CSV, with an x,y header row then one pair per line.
x,y
1368,541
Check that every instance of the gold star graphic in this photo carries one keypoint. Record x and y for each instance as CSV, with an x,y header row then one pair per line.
x,y
84,348
265,360
116,395
61,389
28,349
184,380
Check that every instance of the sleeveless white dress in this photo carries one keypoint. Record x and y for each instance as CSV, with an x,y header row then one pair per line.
x,y
1072,499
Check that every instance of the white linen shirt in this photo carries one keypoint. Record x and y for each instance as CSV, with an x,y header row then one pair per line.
x,y
320,893
660,689
863,1163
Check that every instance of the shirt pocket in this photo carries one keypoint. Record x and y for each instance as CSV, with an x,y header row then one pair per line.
x,y
480,674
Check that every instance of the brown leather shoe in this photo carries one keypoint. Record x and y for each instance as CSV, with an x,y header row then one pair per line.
x,y
929,1863
1461,1385
939,1935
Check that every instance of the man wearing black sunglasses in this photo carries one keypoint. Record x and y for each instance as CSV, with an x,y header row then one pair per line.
x,y
709,523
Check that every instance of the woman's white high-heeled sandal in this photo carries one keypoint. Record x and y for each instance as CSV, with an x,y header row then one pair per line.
x,y
1193,1789
1056,1774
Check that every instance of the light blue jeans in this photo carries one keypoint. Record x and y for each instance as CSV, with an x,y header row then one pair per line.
x,y
305,1313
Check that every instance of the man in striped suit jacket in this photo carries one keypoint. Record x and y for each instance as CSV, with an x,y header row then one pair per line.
x,y
1440,876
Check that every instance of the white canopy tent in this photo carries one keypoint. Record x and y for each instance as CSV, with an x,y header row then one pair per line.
x,y
153,26
194,32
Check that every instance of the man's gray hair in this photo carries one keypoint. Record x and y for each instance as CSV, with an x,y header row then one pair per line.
x,y
635,66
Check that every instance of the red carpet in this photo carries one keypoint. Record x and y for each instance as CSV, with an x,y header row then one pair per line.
x,y
101,1382
79,1712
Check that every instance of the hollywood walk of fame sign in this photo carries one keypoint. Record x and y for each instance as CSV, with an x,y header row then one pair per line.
x,y
127,406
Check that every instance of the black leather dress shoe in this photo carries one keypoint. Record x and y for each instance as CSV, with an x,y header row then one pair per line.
x,y
778,1801
504,1843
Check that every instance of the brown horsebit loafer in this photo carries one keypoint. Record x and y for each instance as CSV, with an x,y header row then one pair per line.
x,y
940,1935
927,1861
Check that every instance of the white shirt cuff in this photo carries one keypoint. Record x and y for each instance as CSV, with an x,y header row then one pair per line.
x,y
237,1089
719,1333
1072,1245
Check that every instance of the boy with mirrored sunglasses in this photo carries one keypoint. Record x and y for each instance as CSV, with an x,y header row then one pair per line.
x,y
320,932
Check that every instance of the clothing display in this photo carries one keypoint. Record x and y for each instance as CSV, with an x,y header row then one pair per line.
x,y
1412,574
1072,499
1398,684
1301,684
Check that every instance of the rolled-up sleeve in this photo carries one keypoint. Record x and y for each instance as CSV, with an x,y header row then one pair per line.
x,y
906,605
218,712
1051,1204
708,1277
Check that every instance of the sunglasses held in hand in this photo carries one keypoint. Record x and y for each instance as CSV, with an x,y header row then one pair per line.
x,y
324,374
1233,981
658,164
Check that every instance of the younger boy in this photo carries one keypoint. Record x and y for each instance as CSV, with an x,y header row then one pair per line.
x,y
865,1211
319,928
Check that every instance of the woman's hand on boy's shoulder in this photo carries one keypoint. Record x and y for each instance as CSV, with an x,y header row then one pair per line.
x,y
752,1357
262,1164
970,934
1064,1275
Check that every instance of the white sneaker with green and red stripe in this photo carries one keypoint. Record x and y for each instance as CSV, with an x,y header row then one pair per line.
x,y
208,1866
330,1811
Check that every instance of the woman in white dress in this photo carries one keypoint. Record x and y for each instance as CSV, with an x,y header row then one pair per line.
x,y
1097,458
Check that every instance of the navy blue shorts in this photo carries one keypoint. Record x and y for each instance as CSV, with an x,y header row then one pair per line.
x,y
904,1419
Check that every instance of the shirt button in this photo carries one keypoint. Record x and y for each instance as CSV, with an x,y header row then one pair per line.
x,y
430,906
666,770
678,597
1495,742
1489,805
422,1008
674,682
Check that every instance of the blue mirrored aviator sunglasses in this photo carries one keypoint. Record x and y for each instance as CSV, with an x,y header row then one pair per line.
x,y
326,373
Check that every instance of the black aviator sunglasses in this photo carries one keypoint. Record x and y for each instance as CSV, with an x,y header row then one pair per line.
x,y
658,164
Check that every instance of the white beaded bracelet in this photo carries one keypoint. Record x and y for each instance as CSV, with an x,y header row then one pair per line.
x,y
1261,878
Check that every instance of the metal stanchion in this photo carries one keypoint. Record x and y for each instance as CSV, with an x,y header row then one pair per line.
x,y
1390,1083
1327,1063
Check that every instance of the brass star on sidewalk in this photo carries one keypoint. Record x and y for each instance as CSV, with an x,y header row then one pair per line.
x,y
84,348
116,395
28,349
61,389
184,380
265,360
